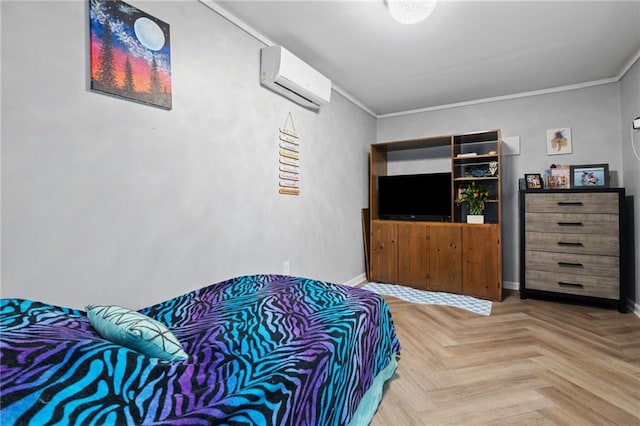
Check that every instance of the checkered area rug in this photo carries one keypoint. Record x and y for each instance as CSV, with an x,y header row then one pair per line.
x,y
477,306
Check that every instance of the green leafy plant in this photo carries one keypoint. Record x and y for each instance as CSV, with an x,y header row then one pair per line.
x,y
475,195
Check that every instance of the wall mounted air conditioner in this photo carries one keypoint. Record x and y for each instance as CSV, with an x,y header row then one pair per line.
x,y
284,73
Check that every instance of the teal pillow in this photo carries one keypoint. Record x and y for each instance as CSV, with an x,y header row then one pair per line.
x,y
135,331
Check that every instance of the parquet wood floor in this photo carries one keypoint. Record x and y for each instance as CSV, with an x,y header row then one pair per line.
x,y
532,362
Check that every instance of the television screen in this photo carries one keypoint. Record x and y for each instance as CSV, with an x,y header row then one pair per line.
x,y
415,197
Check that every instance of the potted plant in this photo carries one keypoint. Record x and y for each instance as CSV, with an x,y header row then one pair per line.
x,y
475,195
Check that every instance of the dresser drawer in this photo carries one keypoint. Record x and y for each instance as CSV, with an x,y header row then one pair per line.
x,y
567,263
606,245
572,223
572,202
583,285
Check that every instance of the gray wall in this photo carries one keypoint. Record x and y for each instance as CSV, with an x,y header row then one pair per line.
x,y
110,201
592,113
105,200
630,90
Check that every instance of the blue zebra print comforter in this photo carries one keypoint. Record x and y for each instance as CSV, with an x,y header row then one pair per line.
x,y
263,350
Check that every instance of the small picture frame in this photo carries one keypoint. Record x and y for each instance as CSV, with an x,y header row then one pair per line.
x,y
533,180
557,182
562,175
590,176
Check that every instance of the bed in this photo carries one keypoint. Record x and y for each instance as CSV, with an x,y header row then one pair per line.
x,y
260,350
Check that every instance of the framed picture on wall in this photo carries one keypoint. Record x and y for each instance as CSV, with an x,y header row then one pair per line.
x,y
130,53
533,180
590,176
559,141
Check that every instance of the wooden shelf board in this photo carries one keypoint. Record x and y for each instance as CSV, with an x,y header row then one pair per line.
x,y
471,178
431,142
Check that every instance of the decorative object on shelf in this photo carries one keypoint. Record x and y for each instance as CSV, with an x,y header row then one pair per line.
x,y
590,176
478,171
493,168
534,180
475,218
410,11
289,145
130,53
557,177
475,195
556,182
559,141
466,155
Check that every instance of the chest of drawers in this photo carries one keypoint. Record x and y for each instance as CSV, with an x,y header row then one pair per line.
x,y
571,245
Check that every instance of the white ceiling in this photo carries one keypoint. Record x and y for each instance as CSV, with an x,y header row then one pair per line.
x,y
465,51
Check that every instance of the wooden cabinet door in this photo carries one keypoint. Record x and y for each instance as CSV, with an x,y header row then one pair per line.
x,y
413,259
384,252
445,259
482,261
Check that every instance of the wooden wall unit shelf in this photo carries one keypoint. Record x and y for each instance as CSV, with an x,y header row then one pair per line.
x,y
454,257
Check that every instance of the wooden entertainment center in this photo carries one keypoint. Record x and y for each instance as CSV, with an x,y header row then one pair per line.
x,y
454,257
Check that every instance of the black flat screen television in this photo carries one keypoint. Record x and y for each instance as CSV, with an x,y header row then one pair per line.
x,y
425,197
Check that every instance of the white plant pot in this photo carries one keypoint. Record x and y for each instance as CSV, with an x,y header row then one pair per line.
x,y
475,218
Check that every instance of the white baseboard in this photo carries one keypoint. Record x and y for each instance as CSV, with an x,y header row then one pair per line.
x,y
633,307
511,285
357,280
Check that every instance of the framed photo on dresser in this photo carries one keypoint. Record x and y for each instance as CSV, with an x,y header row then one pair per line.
x,y
589,176
533,180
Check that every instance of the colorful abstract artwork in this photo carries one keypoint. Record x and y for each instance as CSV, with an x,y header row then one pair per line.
x,y
130,53
559,141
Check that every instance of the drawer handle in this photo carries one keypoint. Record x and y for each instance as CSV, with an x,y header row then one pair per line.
x,y
565,284
571,264
563,243
570,224
570,203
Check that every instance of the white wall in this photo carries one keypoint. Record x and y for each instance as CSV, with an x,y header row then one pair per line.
x,y
592,113
110,201
630,91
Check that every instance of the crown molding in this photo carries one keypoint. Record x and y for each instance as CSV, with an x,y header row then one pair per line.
x,y
629,64
267,42
505,97
211,4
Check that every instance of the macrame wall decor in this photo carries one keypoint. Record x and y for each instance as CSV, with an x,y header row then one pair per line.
x,y
289,164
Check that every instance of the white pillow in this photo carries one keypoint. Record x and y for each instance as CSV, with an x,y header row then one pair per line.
x,y
135,331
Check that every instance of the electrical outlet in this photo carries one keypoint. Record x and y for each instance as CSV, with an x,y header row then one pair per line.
x,y
285,267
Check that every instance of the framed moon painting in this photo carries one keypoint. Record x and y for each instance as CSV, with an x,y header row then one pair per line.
x,y
130,53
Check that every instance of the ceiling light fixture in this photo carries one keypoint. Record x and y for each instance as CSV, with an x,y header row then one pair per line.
x,y
410,11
